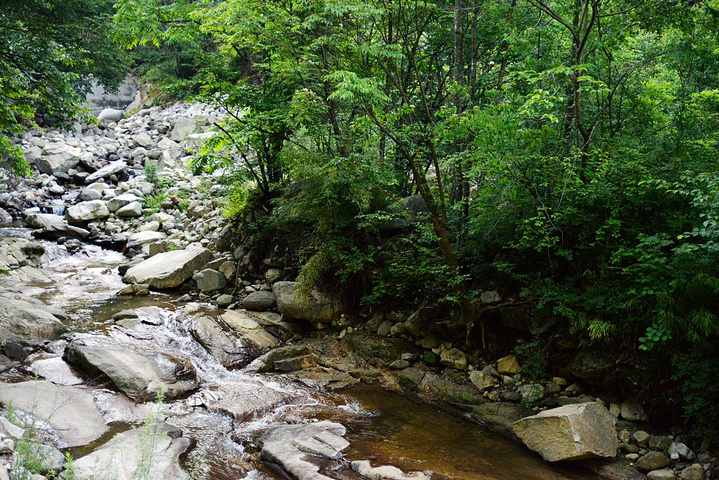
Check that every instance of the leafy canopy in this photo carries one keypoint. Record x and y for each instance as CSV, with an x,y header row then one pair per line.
x,y
48,51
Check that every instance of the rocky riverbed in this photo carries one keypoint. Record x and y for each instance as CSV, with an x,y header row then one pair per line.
x,y
125,303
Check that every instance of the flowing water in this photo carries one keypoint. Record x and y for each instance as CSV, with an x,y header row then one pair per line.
x,y
386,428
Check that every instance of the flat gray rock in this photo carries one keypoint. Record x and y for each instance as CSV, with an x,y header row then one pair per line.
x,y
147,237
168,269
223,345
209,280
70,411
54,226
16,252
259,301
385,472
250,330
139,371
10,430
5,217
292,447
247,399
55,370
145,452
133,209
85,212
29,319
115,204
106,171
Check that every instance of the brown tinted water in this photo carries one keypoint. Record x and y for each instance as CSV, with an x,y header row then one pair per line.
x,y
416,436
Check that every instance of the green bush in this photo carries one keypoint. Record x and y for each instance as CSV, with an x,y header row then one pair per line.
x,y
698,372
153,203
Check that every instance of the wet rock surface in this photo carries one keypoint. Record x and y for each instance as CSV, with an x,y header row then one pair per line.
x,y
69,411
384,472
140,373
220,343
152,452
292,447
27,320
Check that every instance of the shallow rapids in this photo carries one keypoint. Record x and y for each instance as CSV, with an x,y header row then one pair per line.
x,y
232,408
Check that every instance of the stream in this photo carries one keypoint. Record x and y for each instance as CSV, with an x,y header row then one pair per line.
x,y
384,427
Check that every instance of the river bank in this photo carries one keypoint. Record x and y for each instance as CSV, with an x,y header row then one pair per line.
x,y
171,319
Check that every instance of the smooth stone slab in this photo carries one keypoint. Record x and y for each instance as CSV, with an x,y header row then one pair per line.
x,y
86,212
289,445
70,411
168,269
138,374
145,452
250,330
29,318
105,172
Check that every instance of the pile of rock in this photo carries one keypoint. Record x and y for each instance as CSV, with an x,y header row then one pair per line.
x,y
95,171
665,457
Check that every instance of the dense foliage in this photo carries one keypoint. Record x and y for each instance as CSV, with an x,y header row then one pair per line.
x,y
48,50
566,150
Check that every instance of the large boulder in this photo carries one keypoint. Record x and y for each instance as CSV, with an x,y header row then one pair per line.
x,y
527,319
591,366
138,374
247,399
132,210
5,217
209,280
442,388
508,365
53,163
652,461
454,358
115,204
142,140
171,151
224,346
85,212
288,359
168,269
633,411
185,126
482,380
293,447
250,330
110,115
88,194
259,301
152,451
571,432
54,226
106,171
70,411
18,252
29,320
61,157
316,308
403,213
